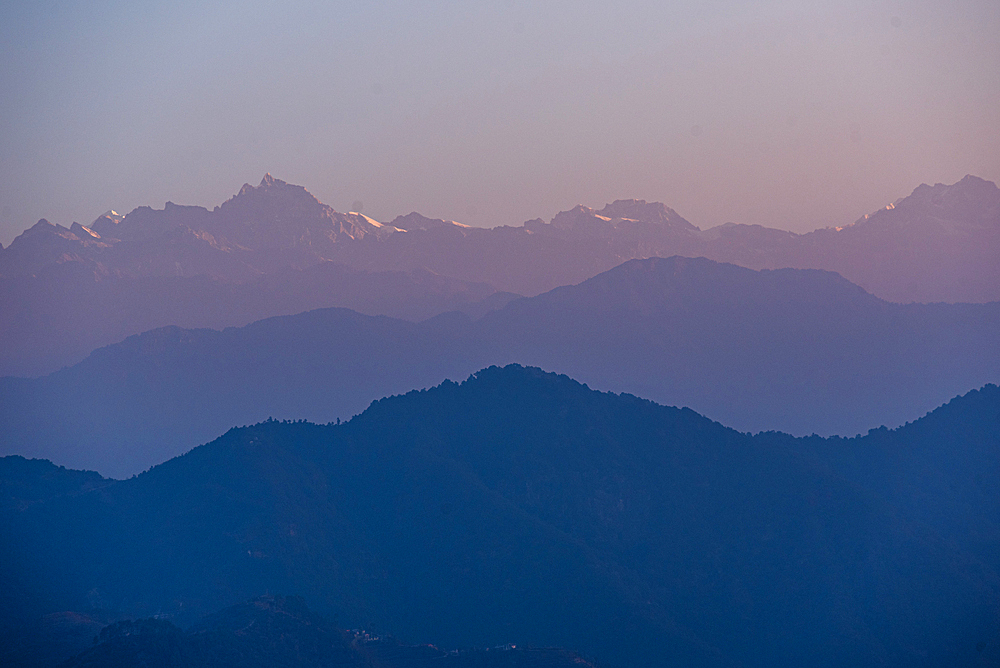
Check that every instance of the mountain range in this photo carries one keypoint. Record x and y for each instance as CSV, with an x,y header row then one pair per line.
x,y
58,318
523,507
802,351
519,507
267,250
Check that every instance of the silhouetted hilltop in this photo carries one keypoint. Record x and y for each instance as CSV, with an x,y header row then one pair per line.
x,y
27,481
522,507
943,468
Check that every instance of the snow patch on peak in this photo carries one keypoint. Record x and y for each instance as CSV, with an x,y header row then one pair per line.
x,y
371,221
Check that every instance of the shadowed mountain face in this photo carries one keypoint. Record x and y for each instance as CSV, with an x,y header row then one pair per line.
x,y
796,350
941,243
523,507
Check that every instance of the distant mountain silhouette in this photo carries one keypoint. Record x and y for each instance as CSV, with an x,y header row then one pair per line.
x,y
24,482
65,292
522,507
802,351
57,318
942,243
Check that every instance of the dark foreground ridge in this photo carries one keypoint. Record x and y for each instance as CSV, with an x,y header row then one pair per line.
x,y
273,631
522,507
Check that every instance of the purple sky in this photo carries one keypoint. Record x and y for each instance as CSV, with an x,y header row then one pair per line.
x,y
788,114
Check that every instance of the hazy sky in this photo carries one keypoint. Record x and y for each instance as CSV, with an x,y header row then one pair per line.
x,y
788,114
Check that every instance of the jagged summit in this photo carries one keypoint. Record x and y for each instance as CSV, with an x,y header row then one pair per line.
x,y
620,215
274,190
971,198
270,184
273,226
969,181
43,228
107,223
969,186
973,180
939,209
646,212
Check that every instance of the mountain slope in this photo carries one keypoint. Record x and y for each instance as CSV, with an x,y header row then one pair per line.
x,y
801,351
522,507
129,406
65,291
796,350
941,243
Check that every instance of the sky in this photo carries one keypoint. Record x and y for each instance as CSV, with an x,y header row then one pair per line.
x,y
788,114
